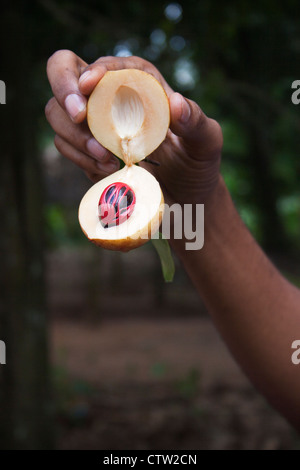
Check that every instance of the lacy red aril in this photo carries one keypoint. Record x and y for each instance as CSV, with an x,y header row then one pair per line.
x,y
116,204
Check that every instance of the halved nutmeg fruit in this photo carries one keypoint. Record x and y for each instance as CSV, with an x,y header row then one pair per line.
x,y
128,113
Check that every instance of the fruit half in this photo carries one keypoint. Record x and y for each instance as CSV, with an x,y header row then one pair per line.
x,y
140,225
128,113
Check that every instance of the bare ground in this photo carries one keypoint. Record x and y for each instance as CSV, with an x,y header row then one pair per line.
x,y
142,367
157,385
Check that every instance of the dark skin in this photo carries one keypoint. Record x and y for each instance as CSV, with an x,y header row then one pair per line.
x,y
256,310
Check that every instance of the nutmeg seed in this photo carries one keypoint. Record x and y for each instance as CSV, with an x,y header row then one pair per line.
x,y
116,204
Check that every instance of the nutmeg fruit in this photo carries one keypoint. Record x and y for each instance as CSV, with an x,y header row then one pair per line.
x,y
128,113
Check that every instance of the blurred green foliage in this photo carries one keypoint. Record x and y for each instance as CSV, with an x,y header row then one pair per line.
x,y
62,226
237,61
189,386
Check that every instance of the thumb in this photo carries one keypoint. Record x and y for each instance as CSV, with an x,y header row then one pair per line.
x,y
189,122
63,70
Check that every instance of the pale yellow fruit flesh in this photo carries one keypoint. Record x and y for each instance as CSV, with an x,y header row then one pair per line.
x,y
128,113
142,223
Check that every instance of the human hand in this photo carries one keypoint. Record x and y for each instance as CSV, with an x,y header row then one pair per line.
x,y
189,157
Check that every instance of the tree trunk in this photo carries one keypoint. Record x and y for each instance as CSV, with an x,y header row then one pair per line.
x,y
26,414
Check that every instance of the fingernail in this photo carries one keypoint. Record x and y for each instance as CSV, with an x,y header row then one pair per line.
x,y
185,111
84,76
74,104
96,149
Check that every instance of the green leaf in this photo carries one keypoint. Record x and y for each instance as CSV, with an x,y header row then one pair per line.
x,y
167,263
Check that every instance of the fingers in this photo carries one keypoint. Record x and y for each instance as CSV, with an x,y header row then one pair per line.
x,y
72,79
64,69
94,72
77,135
95,170
200,134
76,143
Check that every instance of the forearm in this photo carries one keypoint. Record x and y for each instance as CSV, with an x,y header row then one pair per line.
x,y
255,309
